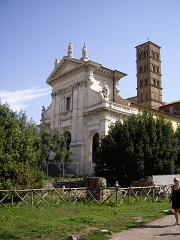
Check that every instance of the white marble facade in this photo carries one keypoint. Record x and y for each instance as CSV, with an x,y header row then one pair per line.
x,y
85,101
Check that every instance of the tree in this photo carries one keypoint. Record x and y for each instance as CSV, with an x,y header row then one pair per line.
x,y
52,141
23,148
19,151
141,146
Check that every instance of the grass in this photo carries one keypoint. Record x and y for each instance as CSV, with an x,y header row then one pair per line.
x,y
84,219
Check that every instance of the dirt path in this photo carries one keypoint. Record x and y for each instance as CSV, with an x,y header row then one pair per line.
x,y
162,229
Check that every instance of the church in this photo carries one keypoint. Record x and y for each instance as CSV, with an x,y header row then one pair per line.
x,y
86,100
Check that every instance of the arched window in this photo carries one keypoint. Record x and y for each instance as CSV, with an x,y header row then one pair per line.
x,y
157,69
146,81
141,83
153,55
144,68
95,146
144,54
140,69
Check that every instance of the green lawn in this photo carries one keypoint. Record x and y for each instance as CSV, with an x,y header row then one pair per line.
x,y
61,221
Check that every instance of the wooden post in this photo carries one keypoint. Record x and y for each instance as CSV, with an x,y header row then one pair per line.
x,y
117,195
52,194
32,198
129,194
47,169
63,168
153,193
12,198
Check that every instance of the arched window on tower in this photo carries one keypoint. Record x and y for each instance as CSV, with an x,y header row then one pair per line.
x,y
144,54
146,81
141,83
140,69
157,68
145,69
153,54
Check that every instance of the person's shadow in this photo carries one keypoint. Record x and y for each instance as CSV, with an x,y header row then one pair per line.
x,y
156,226
169,234
162,226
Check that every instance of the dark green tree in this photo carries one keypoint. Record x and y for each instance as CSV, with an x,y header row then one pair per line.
x,y
142,146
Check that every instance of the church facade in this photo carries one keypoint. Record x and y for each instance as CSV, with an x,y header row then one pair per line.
x,y
86,100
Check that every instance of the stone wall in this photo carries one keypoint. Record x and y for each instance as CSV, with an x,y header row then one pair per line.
x,y
144,182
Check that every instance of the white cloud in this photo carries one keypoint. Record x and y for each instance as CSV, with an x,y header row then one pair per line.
x,y
19,100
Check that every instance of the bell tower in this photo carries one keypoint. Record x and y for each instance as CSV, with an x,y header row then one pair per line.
x,y
149,85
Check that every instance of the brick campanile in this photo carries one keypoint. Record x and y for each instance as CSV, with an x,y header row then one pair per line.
x,y
149,85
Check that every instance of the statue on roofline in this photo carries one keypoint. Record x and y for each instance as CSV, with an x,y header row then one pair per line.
x,y
70,50
84,53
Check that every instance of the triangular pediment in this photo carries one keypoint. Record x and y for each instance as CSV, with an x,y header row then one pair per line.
x,y
64,66
67,66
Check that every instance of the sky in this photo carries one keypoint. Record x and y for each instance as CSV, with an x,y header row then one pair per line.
x,y
33,33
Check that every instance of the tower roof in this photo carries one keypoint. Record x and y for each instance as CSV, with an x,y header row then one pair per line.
x,y
148,43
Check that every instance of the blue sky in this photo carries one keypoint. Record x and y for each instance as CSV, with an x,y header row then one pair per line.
x,y
35,32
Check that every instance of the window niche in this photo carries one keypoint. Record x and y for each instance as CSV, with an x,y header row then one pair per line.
x,y
140,69
141,83
67,100
157,68
68,104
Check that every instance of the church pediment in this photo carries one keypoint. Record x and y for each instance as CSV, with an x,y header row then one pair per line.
x,y
64,66
68,64
67,67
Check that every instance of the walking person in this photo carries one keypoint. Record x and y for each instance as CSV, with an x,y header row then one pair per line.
x,y
174,198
